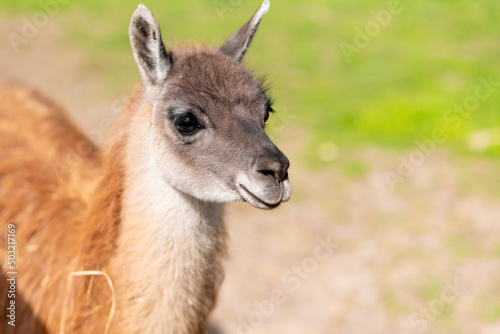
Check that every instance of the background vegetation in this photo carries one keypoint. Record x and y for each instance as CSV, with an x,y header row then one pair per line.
x,y
395,90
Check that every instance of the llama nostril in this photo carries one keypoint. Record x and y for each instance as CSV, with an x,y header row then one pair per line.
x,y
277,175
268,173
271,163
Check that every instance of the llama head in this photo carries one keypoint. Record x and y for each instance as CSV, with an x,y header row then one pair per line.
x,y
207,133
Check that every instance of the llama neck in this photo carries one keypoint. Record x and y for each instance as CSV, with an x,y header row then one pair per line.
x,y
169,249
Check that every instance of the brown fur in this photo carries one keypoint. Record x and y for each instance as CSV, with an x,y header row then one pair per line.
x,y
64,200
64,196
47,172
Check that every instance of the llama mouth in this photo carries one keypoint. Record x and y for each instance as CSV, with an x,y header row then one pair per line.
x,y
249,197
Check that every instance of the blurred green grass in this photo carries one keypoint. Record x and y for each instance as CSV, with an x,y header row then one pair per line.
x,y
395,90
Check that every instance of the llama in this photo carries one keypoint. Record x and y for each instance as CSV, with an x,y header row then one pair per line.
x,y
129,238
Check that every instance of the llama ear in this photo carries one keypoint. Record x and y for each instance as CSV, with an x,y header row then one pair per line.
x,y
150,55
236,46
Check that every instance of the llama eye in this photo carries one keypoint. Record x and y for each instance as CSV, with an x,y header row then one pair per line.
x,y
269,110
186,124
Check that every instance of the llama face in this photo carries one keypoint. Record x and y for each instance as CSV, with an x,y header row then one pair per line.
x,y
208,137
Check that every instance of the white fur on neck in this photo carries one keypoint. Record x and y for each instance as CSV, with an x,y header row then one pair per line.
x,y
168,241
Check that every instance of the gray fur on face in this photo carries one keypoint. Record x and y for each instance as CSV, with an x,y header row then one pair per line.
x,y
230,153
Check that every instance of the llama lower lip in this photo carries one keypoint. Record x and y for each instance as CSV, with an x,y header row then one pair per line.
x,y
257,199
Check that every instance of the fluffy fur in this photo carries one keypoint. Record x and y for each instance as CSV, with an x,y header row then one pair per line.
x,y
103,211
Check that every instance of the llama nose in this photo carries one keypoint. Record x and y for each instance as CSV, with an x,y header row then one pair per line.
x,y
272,163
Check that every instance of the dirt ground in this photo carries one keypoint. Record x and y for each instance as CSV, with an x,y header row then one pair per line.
x,y
347,254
